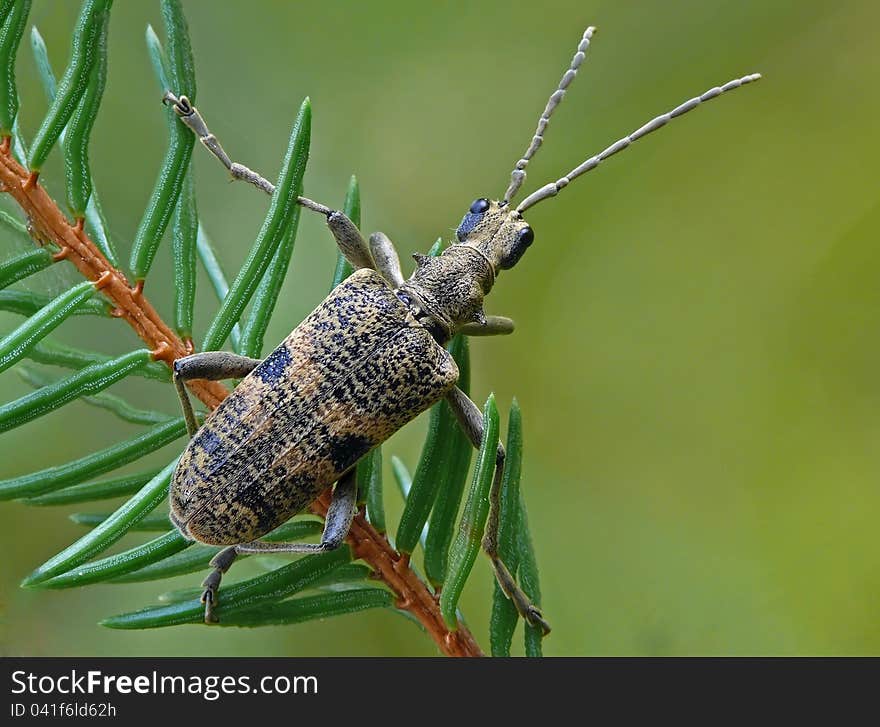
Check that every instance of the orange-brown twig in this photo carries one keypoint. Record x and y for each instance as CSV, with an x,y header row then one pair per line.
x,y
49,223
412,594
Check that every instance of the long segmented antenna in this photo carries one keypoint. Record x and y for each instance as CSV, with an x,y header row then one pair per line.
x,y
550,190
518,175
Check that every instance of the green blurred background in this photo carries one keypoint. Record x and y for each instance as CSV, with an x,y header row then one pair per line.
x,y
697,344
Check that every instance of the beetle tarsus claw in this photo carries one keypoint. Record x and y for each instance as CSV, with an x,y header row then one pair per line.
x,y
209,598
535,618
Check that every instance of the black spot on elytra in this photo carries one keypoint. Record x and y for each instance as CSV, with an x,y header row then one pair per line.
x,y
262,509
346,449
274,366
208,441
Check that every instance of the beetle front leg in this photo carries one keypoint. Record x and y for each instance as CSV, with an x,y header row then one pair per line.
x,y
191,117
471,420
385,256
211,365
346,234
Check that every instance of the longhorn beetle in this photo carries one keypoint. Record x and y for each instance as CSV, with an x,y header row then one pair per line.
x,y
366,361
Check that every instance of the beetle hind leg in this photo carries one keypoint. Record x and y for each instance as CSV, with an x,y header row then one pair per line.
x,y
220,563
336,526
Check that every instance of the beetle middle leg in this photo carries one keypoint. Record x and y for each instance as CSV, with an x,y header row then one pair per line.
x,y
343,507
345,232
471,420
212,365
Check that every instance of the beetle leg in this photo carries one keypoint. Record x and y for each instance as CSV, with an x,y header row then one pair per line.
x,y
344,230
471,420
494,326
191,117
349,239
336,526
220,563
212,365
387,261
339,516
343,507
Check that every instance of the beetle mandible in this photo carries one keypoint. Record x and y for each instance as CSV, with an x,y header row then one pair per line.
x,y
366,361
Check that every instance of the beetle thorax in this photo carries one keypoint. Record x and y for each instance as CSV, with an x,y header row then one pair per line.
x,y
449,289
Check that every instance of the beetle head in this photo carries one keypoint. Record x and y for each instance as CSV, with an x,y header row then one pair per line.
x,y
496,231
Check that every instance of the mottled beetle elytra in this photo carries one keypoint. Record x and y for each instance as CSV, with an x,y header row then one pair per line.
x,y
366,361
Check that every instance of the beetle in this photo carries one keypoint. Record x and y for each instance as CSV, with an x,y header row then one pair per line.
x,y
366,361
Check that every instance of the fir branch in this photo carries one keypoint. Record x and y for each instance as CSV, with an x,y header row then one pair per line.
x,y
132,306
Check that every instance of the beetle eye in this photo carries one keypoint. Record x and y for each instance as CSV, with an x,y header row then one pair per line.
x,y
518,247
473,217
479,206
